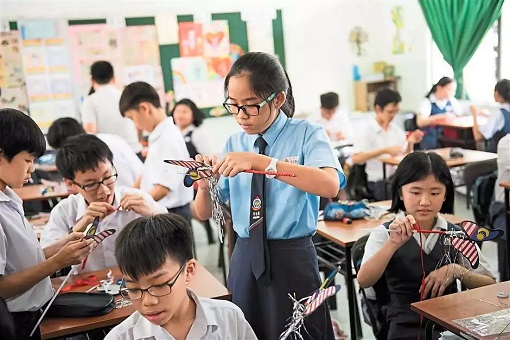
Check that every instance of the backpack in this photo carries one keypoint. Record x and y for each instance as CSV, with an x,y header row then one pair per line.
x,y
357,183
482,193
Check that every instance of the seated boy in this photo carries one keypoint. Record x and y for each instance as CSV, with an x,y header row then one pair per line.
x,y
86,163
333,118
381,138
155,256
25,267
125,158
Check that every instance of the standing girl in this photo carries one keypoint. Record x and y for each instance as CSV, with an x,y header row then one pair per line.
x,y
438,104
188,118
422,188
274,254
498,124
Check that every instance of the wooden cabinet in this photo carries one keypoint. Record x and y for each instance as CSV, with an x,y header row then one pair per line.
x,y
365,91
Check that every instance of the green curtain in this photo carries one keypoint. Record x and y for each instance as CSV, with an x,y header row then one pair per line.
x,y
458,27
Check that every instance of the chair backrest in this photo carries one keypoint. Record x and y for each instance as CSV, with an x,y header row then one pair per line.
x,y
482,192
410,123
357,183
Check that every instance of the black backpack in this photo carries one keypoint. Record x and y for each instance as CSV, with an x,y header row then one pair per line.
x,y
482,193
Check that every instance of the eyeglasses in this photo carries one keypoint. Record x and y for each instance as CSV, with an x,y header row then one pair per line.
x,y
156,291
250,110
94,186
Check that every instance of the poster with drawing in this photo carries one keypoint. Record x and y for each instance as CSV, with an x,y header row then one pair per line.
x,y
190,39
11,67
215,38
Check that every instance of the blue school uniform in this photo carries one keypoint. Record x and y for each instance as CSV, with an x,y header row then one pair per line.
x,y
430,141
291,220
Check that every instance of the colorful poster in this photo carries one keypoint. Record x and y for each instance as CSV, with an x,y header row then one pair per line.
x,y
216,39
194,80
34,59
139,73
38,29
38,88
190,39
14,98
11,67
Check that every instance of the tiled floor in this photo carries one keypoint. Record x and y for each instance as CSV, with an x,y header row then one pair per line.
x,y
208,256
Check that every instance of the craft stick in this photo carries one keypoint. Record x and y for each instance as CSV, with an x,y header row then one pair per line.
x,y
448,232
270,173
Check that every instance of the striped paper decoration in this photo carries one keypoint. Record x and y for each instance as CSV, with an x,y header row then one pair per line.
x,y
318,298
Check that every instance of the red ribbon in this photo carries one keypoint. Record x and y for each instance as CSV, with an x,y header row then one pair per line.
x,y
87,281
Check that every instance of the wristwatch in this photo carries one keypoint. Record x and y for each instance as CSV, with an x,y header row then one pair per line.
x,y
271,167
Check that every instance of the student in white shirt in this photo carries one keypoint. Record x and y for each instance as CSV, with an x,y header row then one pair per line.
x,y
25,267
381,138
439,104
100,110
333,118
155,256
498,123
86,163
140,102
124,157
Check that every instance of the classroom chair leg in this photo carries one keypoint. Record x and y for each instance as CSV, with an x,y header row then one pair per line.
x,y
209,231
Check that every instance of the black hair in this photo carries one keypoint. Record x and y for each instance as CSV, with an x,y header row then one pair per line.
x,y
503,88
442,82
386,96
91,91
19,133
198,115
136,93
145,243
101,72
329,100
61,129
416,166
82,153
267,76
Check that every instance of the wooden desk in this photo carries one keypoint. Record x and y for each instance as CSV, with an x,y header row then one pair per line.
x,y
443,310
39,222
46,168
464,126
31,193
506,186
203,283
345,235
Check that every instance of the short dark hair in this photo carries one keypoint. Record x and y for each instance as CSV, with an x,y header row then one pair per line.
x,y
416,166
503,88
329,100
101,72
198,115
145,243
266,75
19,133
61,129
136,93
386,96
82,153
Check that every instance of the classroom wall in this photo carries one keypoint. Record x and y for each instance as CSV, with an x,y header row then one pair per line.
x,y
505,40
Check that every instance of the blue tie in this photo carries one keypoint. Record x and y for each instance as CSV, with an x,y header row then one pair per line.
x,y
258,235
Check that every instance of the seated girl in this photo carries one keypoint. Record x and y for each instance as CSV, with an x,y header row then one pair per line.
x,y
422,189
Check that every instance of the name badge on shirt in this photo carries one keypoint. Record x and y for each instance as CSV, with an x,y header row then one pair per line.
x,y
290,159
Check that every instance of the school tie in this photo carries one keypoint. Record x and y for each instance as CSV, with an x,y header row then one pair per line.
x,y
258,235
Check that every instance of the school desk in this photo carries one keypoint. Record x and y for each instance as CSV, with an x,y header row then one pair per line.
x,y
444,309
203,283
344,236
464,127
38,222
506,186
46,167
32,193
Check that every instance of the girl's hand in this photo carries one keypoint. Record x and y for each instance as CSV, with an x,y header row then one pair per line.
x,y
474,110
415,137
202,184
437,281
235,162
401,230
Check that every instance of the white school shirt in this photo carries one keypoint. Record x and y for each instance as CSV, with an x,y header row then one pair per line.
x,y
102,109
503,167
199,139
380,235
20,250
426,105
127,163
166,142
214,320
66,214
495,122
338,123
374,138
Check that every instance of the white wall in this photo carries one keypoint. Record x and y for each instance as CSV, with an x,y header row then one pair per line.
x,y
505,40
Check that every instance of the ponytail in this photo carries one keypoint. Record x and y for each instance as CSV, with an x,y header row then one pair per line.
x,y
289,106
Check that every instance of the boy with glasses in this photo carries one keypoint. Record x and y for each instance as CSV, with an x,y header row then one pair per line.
x,y
155,256
86,163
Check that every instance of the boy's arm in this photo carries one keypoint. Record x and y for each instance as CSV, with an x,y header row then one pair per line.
x,y
158,192
138,183
363,157
88,116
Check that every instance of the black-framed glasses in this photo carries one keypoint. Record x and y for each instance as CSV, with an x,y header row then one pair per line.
x,y
94,186
156,290
250,110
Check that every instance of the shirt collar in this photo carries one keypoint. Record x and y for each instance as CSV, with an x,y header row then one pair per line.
x,y
10,196
505,106
273,131
189,128
160,129
204,318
